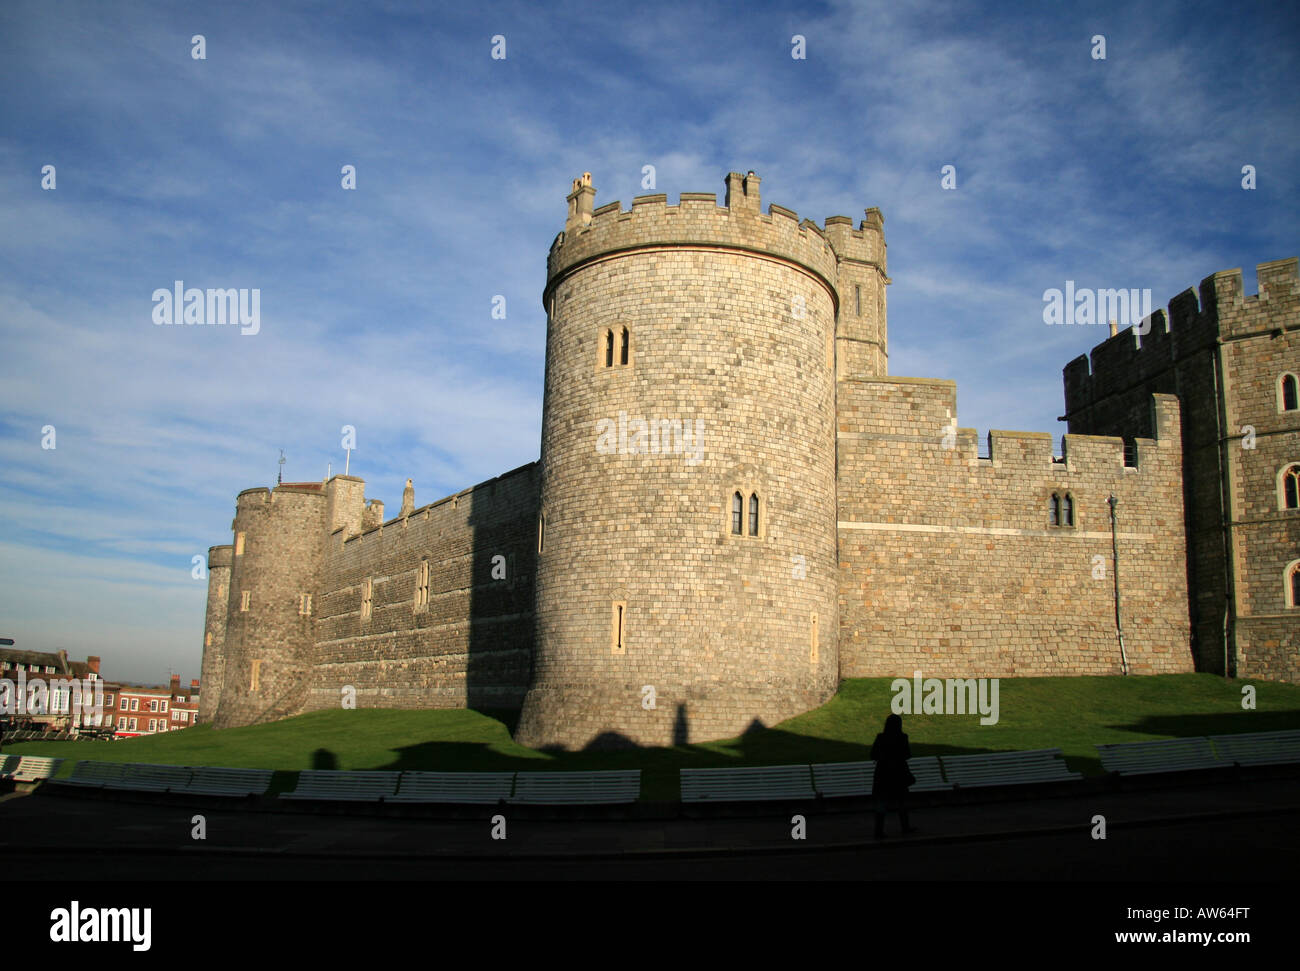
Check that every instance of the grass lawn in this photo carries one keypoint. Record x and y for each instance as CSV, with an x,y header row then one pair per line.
x,y
1072,714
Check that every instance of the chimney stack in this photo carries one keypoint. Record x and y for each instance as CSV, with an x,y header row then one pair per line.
x,y
580,203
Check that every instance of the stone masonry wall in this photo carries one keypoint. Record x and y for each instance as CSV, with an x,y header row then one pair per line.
x,y
1261,343
470,645
948,564
213,671
731,318
269,644
1223,355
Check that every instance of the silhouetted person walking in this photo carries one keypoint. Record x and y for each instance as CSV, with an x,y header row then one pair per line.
x,y
892,776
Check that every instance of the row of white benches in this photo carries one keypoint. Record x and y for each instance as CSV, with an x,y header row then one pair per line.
x,y
1207,752
140,777
932,772
604,787
935,772
618,786
697,785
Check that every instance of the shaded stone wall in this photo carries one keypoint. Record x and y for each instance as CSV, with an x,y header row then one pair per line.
x,y
1223,355
470,644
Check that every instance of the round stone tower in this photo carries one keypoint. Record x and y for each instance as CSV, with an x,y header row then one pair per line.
x,y
686,578
214,631
275,562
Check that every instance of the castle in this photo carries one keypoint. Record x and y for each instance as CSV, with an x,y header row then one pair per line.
x,y
736,506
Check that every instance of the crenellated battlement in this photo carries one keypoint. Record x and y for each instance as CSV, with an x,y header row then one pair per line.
x,y
697,221
220,556
373,520
1191,323
866,244
923,411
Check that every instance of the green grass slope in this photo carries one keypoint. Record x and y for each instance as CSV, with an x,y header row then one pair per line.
x,y
1072,714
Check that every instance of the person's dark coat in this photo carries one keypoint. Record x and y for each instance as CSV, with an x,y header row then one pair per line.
x,y
891,752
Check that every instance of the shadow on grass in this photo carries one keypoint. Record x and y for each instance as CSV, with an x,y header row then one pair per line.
x,y
659,765
509,717
1214,723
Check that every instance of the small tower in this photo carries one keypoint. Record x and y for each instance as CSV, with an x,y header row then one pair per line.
x,y
214,631
861,336
275,567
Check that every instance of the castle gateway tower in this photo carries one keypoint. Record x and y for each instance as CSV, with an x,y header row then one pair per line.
x,y
686,577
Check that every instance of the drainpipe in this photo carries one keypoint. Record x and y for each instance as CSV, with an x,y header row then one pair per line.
x,y
1225,513
1114,558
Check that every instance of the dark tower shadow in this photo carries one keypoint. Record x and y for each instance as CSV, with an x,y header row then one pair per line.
x,y
501,543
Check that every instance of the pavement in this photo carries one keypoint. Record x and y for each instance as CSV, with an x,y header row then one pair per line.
x,y
972,831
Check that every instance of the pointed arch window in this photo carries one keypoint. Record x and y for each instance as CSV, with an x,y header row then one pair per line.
x,y
1289,393
609,348
1291,487
1293,584
623,349
1060,509
737,513
753,514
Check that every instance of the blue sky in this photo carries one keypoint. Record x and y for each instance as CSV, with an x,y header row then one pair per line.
x,y
376,303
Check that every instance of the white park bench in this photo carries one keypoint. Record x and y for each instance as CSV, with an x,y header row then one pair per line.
x,y
29,768
855,778
1259,748
93,774
144,777
341,786
747,784
1168,755
216,781
577,788
481,788
1007,768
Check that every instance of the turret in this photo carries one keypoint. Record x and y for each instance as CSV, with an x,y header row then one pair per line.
x,y
861,337
214,630
686,575
274,578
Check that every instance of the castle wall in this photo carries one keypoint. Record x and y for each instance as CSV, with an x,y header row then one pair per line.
x,y
470,643
213,670
1222,355
731,317
697,351
948,564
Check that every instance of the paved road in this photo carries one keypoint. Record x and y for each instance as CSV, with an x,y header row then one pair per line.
x,y
1247,831
1262,848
